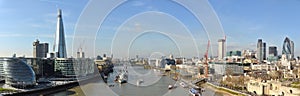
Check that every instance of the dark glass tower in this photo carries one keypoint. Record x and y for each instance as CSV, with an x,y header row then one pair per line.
x,y
264,51
60,43
259,53
273,51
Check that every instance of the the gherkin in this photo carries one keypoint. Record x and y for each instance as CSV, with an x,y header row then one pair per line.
x,y
288,48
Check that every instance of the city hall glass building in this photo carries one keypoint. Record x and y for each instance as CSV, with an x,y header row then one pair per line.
x,y
18,73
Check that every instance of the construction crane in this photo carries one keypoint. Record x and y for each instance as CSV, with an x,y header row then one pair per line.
x,y
206,59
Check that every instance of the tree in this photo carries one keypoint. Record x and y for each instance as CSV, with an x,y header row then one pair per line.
x,y
274,75
229,71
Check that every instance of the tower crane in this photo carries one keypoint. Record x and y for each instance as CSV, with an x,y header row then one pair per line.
x,y
206,59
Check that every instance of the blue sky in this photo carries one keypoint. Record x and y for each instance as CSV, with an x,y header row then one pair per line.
x,y
243,23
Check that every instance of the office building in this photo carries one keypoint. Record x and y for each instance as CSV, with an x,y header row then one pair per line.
x,y
273,51
40,50
259,50
2,60
221,49
18,73
60,43
288,48
80,53
64,67
264,51
234,53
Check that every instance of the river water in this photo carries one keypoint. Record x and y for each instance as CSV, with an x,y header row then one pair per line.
x,y
154,84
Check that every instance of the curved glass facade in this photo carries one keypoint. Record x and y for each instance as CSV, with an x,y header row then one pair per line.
x,y
288,48
18,73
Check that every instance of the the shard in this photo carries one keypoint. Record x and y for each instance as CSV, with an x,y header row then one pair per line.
x,y
60,42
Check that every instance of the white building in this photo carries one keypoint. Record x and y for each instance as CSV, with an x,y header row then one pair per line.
x,y
221,49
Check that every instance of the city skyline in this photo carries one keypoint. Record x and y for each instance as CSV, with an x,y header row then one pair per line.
x,y
26,21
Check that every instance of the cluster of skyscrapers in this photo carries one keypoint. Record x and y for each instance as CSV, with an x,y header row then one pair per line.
x,y
260,53
287,50
23,72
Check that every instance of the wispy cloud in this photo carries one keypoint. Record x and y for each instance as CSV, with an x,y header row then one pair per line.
x,y
138,3
39,36
24,35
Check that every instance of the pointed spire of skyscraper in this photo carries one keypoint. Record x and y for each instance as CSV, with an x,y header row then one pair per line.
x,y
60,43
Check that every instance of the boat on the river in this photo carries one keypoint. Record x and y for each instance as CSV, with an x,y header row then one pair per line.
x,y
194,92
123,76
140,81
170,86
183,85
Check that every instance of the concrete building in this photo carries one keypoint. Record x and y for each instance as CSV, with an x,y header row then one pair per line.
x,y
60,43
40,50
268,67
80,54
221,49
285,62
248,54
234,59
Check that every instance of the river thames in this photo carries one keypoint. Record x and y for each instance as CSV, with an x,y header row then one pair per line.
x,y
154,85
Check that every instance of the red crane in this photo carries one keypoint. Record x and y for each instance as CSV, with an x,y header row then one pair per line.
x,y
206,60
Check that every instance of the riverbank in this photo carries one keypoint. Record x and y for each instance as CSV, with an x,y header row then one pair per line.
x,y
91,87
44,91
229,92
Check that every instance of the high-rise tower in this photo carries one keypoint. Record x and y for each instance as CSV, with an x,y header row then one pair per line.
x,y
221,49
60,43
40,50
259,53
288,48
264,51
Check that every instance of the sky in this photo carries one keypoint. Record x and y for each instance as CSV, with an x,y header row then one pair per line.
x,y
148,27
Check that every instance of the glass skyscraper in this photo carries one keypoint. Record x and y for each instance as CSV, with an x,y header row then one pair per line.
x,y
60,43
288,48
259,50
